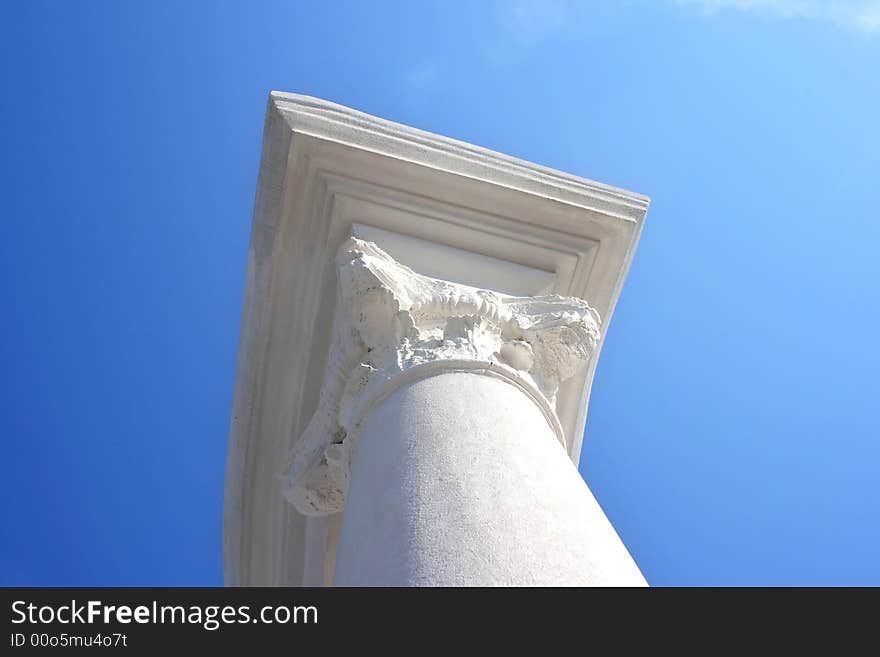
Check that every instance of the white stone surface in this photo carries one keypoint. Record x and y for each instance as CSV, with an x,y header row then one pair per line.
x,y
459,480
446,209
393,325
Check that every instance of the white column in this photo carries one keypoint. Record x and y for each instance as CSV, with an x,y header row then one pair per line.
x,y
437,436
459,480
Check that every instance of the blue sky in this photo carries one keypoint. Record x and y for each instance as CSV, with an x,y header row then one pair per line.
x,y
733,429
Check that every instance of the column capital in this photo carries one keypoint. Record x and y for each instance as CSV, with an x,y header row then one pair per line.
x,y
393,325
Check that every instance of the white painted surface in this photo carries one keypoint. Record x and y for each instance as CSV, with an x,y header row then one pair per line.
x,y
459,480
459,265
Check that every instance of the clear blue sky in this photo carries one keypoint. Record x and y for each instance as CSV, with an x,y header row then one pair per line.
x,y
733,429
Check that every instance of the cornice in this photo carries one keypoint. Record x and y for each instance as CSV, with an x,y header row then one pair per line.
x,y
326,120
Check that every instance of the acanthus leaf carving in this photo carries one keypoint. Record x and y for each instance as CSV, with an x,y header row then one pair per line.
x,y
392,324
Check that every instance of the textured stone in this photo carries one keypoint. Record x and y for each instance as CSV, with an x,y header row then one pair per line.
x,y
393,325
459,480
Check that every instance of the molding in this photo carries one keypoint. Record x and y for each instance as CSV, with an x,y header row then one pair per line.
x,y
394,325
332,121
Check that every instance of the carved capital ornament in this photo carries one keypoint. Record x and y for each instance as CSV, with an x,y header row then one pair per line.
x,y
394,326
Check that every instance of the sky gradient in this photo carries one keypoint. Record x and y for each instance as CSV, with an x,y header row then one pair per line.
x,y
733,428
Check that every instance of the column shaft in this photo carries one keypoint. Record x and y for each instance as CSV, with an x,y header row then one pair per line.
x,y
458,479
